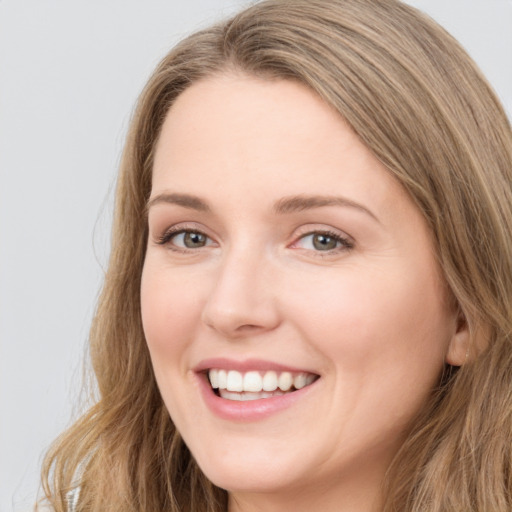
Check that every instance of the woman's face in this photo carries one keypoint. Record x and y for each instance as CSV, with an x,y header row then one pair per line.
x,y
282,253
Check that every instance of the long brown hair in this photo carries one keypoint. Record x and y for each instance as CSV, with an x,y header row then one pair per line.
x,y
422,107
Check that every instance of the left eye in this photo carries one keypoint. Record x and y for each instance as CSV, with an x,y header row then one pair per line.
x,y
322,242
189,239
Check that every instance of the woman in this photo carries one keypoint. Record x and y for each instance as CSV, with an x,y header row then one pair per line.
x,y
308,300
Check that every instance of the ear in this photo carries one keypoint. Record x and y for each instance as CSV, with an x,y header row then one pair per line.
x,y
458,349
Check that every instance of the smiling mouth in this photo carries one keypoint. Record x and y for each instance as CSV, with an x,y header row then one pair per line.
x,y
256,385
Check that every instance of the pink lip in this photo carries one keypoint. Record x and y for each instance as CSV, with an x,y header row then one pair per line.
x,y
245,365
251,410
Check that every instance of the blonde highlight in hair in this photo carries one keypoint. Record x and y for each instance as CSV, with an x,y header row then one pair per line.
x,y
420,104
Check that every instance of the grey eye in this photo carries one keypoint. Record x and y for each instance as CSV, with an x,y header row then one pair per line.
x,y
186,239
191,239
323,242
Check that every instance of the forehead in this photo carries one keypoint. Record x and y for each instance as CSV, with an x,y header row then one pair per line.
x,y
230,110
235,136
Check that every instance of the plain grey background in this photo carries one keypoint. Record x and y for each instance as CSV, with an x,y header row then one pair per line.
x,y
70,73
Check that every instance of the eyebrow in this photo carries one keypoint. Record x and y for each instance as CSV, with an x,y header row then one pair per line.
x,y
283,206
184,200
301,202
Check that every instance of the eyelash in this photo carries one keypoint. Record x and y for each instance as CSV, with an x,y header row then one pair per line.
x,y
170,233
345,243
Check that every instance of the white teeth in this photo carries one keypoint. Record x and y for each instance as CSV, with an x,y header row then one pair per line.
x,y
253,382
246,396
270,381
214,378
257,383
223,379
229,395
299,381
235,381
285,381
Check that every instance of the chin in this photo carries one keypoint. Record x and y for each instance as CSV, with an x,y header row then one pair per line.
x,y
249,481
262,472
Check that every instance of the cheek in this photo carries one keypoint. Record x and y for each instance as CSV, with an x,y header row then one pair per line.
x,y
378,326
170,308
171,311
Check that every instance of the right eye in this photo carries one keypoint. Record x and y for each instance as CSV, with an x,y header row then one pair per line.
x,y
185,239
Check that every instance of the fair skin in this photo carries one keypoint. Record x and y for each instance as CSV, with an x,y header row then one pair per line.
x,y
279,244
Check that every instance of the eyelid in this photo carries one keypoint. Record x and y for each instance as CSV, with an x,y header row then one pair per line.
x,y
171,231
347,242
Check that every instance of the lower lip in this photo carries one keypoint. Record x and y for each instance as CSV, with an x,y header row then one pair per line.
x,y
249,410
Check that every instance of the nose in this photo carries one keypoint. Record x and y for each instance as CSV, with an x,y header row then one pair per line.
x,y
243,299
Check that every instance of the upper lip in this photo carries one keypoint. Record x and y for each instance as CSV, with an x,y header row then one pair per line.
x,y
247,365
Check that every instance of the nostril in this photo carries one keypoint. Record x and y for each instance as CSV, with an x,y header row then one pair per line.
x,y
247,327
